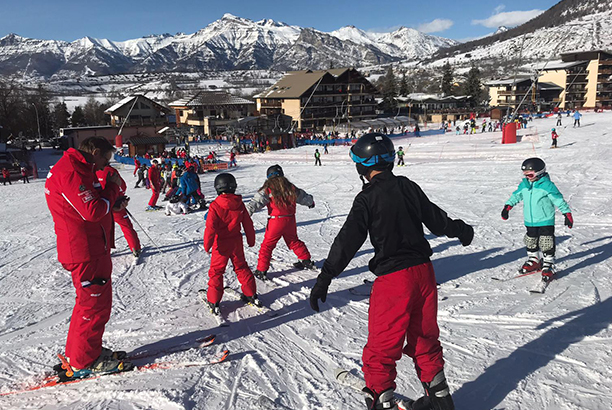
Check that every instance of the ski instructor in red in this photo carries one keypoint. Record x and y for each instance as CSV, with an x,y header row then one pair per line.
x,y
404,299
82,214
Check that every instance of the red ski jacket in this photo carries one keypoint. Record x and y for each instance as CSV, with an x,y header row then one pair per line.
x,y
81,210
226,215
155,177
6,173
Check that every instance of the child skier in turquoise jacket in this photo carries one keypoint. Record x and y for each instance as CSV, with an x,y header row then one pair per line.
x,y
540,196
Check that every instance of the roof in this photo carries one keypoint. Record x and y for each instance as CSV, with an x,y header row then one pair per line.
x,y
147,140
507,81
295,83
130,100
549,86
558,65
210,98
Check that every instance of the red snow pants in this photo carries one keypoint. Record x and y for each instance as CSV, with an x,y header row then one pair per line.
x,y
222,251
283,227
123,220
403,309
91,310
154,196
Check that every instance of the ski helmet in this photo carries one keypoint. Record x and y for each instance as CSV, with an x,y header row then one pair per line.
x,y
536,165
275,171
373,151
553,130
225,183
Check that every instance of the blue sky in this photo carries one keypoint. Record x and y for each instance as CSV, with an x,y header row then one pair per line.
x,y
126,19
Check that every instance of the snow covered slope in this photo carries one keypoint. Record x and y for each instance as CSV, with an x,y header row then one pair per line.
x,y
504,348
229,43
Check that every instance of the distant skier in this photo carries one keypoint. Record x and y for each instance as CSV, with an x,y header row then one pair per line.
x,y
404,297
281,197
540,196
232,159
400,157
325,149
24,175
577,116
155,182
317,156
226,217
6,176
559,117
189,186
554,137
136,165
141,176
417,130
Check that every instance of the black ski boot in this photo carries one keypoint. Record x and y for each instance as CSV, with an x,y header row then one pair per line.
x,y
304,264
261,275
439,393
385,400
251,300
214,308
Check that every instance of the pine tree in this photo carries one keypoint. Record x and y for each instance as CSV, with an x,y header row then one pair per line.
x,y
447,79
404,89
389,90
60,115
93,112
78,118
473,87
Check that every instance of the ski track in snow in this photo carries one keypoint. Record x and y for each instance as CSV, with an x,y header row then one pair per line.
x,y
504,348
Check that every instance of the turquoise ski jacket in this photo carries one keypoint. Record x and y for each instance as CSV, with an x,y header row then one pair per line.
x,y
540,198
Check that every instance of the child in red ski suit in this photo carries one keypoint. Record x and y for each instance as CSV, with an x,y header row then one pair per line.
x,y
554,137
222,235
280,196
121,217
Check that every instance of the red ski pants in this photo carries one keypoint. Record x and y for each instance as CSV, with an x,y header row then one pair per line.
x,y
123,220
92,281
278,228
154,196
403,309
222,251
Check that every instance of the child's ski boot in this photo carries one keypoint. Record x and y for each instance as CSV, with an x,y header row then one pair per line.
x,y
304,264
533,264
548,269
385,400
251,300
439,394
261,275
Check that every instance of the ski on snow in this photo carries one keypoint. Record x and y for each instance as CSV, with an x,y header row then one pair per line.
x,y
266,403
348,379
51,381
540,287
221,321
233,293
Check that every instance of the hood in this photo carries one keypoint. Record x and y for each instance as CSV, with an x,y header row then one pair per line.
x,y
232,202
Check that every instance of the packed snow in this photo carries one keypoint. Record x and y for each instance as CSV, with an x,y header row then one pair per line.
x,y
504,347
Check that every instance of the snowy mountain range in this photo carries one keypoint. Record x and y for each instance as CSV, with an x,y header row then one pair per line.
x,y
570,25
228,43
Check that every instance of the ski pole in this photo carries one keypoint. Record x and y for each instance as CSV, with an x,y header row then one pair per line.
x,y
144,230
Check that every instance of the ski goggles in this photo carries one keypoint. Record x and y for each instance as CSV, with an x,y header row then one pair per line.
x,y
373,160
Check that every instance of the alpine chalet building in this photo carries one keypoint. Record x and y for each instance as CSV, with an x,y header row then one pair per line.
x,y
315,99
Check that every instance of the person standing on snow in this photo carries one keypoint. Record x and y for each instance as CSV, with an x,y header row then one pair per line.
x,y
317,156
24,175
226,216
141,176
400,157
404,297
6,176
136,165
281,197
559,119
540,196
121,217
554,137
155,182
577,116
83,220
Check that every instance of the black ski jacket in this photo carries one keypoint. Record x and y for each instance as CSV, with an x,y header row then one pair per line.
x,y
392,209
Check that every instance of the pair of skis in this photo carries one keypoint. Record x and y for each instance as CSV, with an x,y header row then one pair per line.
x,y
539,289
56,380
236,295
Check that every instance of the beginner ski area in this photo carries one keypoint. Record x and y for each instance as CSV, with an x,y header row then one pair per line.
x,y
504,347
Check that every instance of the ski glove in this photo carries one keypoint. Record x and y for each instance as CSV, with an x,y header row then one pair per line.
x,y
467,235
318,292
505,212
569,220
311,206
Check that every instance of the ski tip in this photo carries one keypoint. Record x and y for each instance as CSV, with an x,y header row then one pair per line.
x,y
338,373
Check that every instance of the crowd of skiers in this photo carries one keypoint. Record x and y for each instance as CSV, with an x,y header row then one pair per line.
x,y
86,196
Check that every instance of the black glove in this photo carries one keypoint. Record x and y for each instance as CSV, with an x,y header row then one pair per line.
x,y
505,212
319,291
311,206
569,220
467,235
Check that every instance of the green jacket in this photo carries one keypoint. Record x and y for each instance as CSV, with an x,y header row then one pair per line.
x,y
400,153
540,198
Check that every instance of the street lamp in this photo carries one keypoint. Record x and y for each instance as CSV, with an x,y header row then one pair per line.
x,y
37,121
